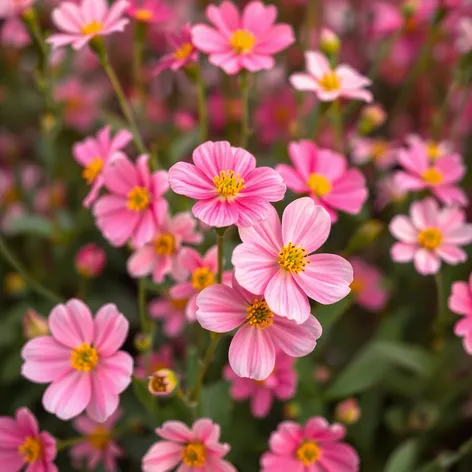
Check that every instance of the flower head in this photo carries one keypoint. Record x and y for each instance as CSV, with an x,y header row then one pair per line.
x,y
348,411
9,8
162,382
460,302
161,359
90,261
376,150
149,11
34,325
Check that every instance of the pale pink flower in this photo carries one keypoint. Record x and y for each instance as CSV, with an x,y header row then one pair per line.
x,y
464,41
387,191
242,41
433,149
331,84
316,446
81,360
23,445
10,8
324,175
228,186
94,153
194,449
172,313
460,302
14,33
430,235
149,11
160,256
90,260
161,359
376,150
133,208
82,23
99,445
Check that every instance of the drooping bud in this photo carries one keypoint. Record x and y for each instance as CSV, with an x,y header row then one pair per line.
x,y
162,382
90,261
34,325
143,342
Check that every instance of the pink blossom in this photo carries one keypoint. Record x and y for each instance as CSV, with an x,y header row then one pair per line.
x,y
460,302
195,449
82,23
133,208
331,84
149,11
242,41
90,260
10,8
23,445
161,359
324,175
95,153
315,446
430,235
376,150
172,313
14,33
99,446
464,42
228,186
81,360
387,191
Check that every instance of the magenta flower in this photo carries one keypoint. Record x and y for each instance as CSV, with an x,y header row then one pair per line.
x,y
247,41
430,235
194,449
314,447
132,210
229,187
94,154
149,11
81,360
161,359
172,313
331,84
460,302
23,445
90,260
81,23
99,446
324,175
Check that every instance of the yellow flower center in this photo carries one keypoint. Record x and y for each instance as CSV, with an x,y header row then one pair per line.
x,y
433,151
430,238
293,258
319,184
183,52
378,150
433,176
202,278
178,303
242,41
228,184
144,14
194,454
99,438
139,198
357,286
31,450
259,315
330,82
92,28
92,170
164,244
84,358
308,453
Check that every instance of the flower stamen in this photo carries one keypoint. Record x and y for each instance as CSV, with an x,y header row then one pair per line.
x,y
92,170
183,51
202,278
242,41
84,358
293,258
308,453
430,238
31,450
164,244
139,198
194,454
319,184
259,315
433,176
228,184
330,82
94,27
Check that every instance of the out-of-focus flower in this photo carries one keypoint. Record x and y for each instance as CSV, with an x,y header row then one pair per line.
x,y
196,448
464,41
15,34
372,116
172,313
162,382
247,41
90,261
143,342
34,325
430,235
322,374
184,121
388,191
460,302
434,150
9,8
348,411
377,150
14,284
329,42
149,11
161,359
81,360
367,287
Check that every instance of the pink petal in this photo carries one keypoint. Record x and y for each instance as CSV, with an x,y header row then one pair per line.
x,y
209,40
175,431
120,176
187,179
67,18
265,183
460,300
111,329
255,62
205,430
424,213
162,457
258,18
261,402
451,254
278,38
142,261
216,213
402,228
426,262
144,230
303,82
225,17
403,252
291,178
316,64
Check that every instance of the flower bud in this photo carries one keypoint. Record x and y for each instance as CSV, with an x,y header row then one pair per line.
x,y
329,42
162,382
90,261
372,116
14,284
292,410
143,342
348,411
34,325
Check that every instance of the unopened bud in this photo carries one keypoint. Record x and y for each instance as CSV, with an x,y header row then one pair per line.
x,y
348,411
329,42
34,325
372,116
14,284
90,261
143,342
162,382
292,410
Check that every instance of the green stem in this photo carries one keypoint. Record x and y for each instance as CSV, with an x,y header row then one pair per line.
x,y
202,110
138,52
220,234
337,117
65,443
442,314
243,80
142,305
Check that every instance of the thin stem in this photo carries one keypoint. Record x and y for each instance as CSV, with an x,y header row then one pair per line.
x,y
243,80
202,109
441,315
138,52
219,242
337,117
142,305
65,443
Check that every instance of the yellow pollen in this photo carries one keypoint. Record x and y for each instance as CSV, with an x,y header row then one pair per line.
x,y
143,14
99,438
242,41
92,28
228,184
194,454
433,176
433,151
319,184
293,258
430,238
330,82
259,315
308,453
92,170
158,384
178,304
31,450
164,245
202,278
139,198
357,286
183,51
378,150
84,358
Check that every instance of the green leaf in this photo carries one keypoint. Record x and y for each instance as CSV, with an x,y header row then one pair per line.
x,y
403,458
216,403
31,224
327,315
144,396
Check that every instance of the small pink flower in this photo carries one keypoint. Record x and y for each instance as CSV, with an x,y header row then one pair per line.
x,y
387,191
242,41
195,449
95,153
376,150
324,175
133,208
90,260
229,187
331,84
348,411
14,33
460,302
82,23
315,446
280,384
160,257
429,235
10,8
81,360
162,359
149,11
172,313
23,445
99,446
464,41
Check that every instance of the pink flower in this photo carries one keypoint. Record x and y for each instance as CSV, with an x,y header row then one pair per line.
x,y
95,153
81,360
133,208
280,384
229,187
464,41
252,351
195,449
162,359
160,257
387,191
331,84
246,41
377,150
149,11
315,446
23,445
82,23
429,235
460,302
9,8
324,175
14,33
172,313
99,446
90,260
